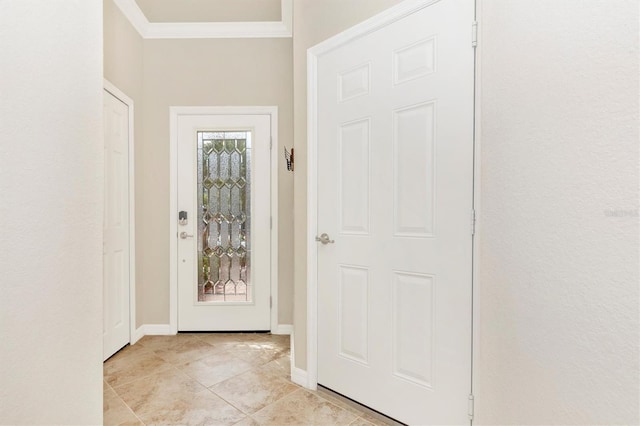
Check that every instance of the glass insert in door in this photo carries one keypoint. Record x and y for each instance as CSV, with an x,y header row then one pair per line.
x,y
224,216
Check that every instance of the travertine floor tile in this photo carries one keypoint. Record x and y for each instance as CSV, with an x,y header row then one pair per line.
x,y
127,351
280,367
157,388
283,340
378,419
253,390
171,397
360,422
367,415
190,350
218,379
138,364
247,421
260,352
230,340
216,368
116,411
165,342
303,408
106,389
257,348
341,402
203,409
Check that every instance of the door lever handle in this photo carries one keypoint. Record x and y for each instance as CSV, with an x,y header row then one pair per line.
x,y
324,239
184,235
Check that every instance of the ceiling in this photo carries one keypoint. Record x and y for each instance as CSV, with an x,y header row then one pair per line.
x,y
159,11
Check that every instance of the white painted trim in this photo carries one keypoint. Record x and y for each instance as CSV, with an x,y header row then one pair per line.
x,y
292,352
164,30
312,223
176,111
383,19
216,30
134,14
173,220
137,335
286,329
157,330
111,88
274,151
152,330
477,205
375,23
299,376
286,16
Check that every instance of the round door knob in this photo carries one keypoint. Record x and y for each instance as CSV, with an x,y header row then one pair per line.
x,y
324,239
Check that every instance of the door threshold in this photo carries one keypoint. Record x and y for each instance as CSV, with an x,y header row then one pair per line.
x,y
227,331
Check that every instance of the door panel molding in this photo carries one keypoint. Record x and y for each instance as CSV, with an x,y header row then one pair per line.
x,y
120,95
174,113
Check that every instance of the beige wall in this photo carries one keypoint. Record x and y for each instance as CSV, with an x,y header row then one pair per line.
x,y
216,72
122,54
123,67
313,21
558,295
158,74
51,181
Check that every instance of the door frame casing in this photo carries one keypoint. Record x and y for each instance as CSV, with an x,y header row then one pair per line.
x,y
174,113
122,97
375,23
477,195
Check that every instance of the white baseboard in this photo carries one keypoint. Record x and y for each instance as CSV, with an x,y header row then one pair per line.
x,y
151,330
283,329
137,335
157,329
299,376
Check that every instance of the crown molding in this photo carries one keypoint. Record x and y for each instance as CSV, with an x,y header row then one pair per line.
x,y
164,30
132,12
216,30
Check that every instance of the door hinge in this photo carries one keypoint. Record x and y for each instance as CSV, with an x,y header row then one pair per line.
x,y
474,34
270,222
470,411
271,301
473,222
270,142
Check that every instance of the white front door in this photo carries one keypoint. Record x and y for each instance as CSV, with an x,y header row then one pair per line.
x,y
223,237
395,181
116,226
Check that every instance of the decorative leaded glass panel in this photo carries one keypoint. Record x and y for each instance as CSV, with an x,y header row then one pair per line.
x,y
224,217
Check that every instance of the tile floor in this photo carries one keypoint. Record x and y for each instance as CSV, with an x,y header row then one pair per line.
x,y
217,379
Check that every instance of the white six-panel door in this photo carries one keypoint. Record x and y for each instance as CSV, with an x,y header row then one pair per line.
x,y
395,179
116,325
